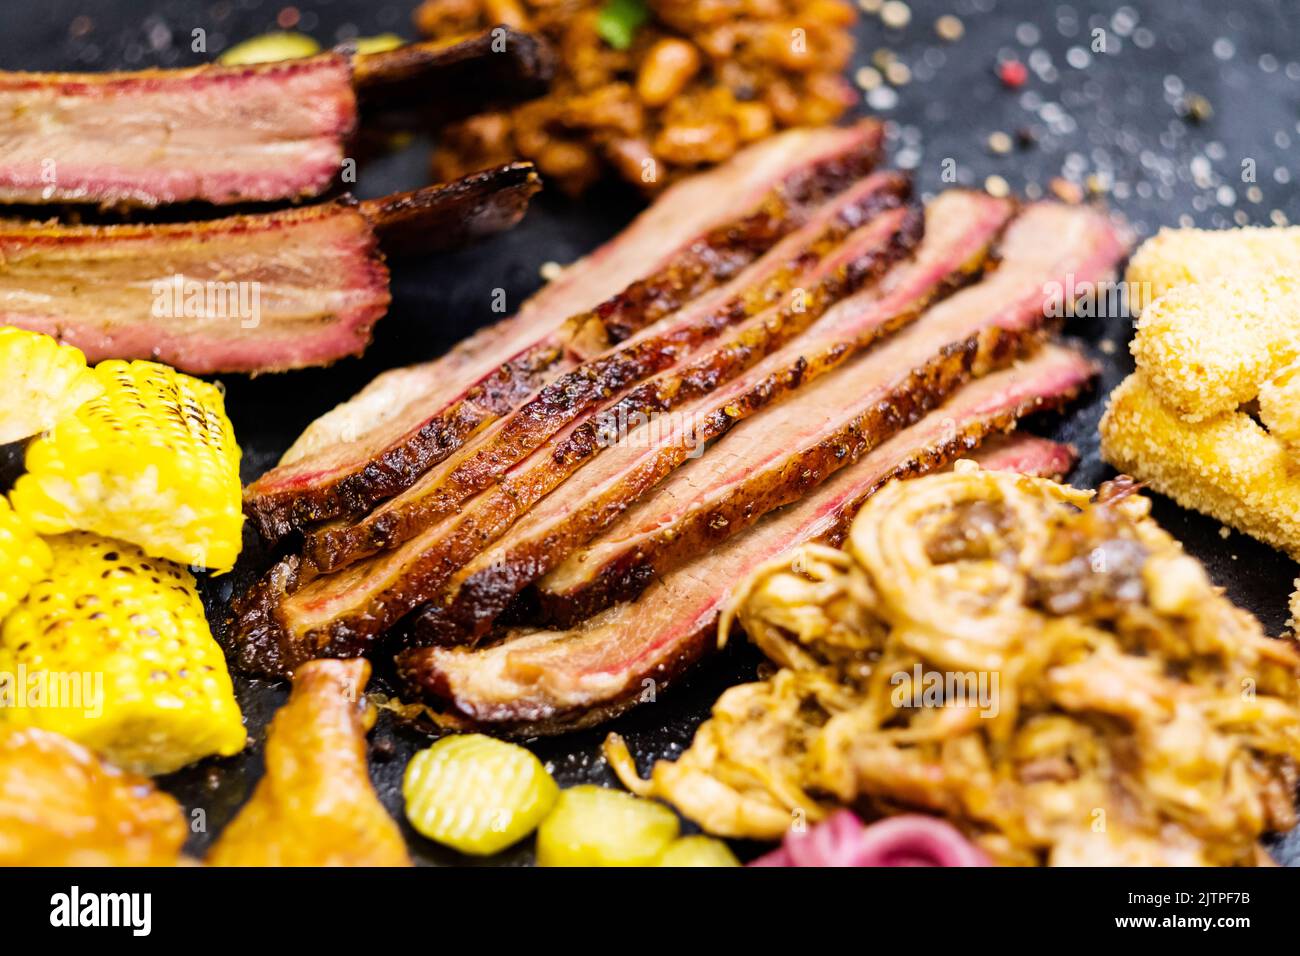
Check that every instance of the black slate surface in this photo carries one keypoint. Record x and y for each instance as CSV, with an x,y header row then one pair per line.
x,y
1107,89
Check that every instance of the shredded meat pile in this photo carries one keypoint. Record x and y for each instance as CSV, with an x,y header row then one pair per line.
x,y
1046,669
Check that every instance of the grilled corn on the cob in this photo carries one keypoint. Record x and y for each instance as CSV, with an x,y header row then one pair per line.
x,y
24,558
152,460
116,645
44,382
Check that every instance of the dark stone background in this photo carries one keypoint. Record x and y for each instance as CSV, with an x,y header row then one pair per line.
x,y
1115,115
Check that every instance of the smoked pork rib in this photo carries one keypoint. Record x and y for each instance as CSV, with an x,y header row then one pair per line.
x,y
282,621
256,293
699,233
225,134
966,224
806,256
545,682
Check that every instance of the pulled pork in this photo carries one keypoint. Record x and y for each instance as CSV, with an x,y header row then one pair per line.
x,y
1045,668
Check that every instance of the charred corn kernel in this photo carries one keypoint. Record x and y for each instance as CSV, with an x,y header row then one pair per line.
x,y
378,44
698,851
114,652
269,48
593,826
44,382
476,794
152,460
1175,257
24,558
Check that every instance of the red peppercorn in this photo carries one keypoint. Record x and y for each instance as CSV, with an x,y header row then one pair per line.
x,y
1012,73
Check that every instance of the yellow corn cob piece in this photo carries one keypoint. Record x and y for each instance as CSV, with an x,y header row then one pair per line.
x,y
1207,348
24,558
593,826
44,382
476,794
698,851
1175,257
152,461
1228,466
113,651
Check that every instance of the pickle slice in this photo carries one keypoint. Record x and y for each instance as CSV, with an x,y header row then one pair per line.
x,y
476,794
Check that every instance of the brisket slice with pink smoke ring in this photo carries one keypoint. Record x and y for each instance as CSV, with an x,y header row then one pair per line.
x,y
802,260
961,227
229,134
1028,455
699,234
255,293
283,620
778,455
547,682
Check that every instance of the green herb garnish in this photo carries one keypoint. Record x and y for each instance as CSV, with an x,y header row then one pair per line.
x,y
619,20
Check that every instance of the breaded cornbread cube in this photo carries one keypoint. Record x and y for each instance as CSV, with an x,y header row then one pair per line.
x,y
1175,257
1209,347
1279,406
1228,466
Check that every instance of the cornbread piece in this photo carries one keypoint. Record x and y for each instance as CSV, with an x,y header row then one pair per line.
x,y
152,460
24,558
315,805
1279,406
44,382
61,806
1228,466
1208,347
117,647
1176,257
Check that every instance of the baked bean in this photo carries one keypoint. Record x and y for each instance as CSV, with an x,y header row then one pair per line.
x,y
666,70
699,79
